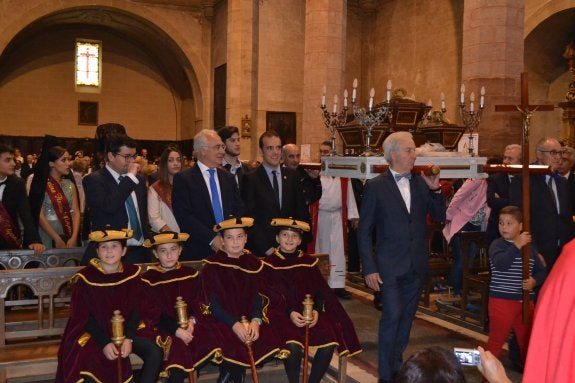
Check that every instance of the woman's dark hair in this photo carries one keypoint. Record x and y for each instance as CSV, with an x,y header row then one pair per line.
x,y
163,173
431,365
55,152
51,151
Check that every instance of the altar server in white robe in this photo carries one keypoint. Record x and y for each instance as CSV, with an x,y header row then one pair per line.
x,y
330,216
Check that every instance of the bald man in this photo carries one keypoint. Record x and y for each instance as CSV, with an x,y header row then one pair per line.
x,y
309,179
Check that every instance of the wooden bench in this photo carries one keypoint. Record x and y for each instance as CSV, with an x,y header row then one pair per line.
x,y
439,264
29,345
20,259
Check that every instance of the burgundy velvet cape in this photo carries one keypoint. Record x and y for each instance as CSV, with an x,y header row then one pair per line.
x,y
298,276
161,290
97,294
235,283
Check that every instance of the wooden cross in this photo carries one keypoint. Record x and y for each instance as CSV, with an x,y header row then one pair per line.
x,y
527,112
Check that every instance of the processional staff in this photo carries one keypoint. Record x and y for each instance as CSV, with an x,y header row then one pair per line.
x,y
308,317
526,112
182,312
248,343
118,338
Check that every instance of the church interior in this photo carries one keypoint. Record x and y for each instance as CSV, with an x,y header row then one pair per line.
x,y
170,68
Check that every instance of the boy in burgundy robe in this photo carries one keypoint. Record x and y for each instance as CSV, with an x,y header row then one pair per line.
x,y
104,286
296,274
234,286
187,345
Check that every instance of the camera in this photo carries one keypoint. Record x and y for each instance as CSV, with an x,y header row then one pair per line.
x,y
467,356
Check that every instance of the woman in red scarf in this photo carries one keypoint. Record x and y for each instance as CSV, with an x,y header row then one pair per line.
x,y
160,192
59,214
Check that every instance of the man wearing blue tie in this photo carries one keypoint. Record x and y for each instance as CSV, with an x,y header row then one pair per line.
x,y
203,196
396,204
116,197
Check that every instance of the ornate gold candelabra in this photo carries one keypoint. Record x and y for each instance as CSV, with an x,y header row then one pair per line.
x,y
471,118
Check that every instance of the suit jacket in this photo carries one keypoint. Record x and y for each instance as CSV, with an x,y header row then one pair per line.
x,y
192,207
496,183
571,185
258,196
106,200
549,229
401,245
15,201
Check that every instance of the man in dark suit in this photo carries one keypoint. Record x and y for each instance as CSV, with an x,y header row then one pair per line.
x,y
550,207
203,196
14,208
566,171
230,136
396,204
271,191
498,190
309,179
116,197
27,167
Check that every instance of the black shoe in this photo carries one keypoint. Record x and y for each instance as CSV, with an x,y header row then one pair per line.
x,y
342,293
377,301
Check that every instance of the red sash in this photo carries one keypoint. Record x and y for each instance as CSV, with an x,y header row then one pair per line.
x,y
9,231
61,205
164,193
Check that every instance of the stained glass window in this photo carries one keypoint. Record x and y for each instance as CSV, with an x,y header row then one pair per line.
x,y
88,72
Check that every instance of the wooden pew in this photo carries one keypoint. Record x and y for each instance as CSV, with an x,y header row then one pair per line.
x,y
29,346
20,259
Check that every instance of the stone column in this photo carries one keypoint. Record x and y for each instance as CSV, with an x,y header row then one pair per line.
x,y
492,56
324,64
242,51
569,105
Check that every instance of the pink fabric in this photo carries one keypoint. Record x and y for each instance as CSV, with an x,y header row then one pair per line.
x,y
465,203
551,355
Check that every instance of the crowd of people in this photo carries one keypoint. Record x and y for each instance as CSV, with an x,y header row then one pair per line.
x,y
127,210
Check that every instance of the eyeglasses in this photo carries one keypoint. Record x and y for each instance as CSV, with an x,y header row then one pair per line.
x,y
553,153
127,157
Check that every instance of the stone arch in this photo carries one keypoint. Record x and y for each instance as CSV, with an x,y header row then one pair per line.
x,y
193,67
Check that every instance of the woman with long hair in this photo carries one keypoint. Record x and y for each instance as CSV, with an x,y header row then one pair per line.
x,y
54,199
160,211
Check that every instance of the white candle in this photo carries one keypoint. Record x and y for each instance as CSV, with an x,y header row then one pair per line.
x,y
388,93
471,100
442,101
462,94
345,98
371,94
354,91
335,104
482,98
430,105
323,96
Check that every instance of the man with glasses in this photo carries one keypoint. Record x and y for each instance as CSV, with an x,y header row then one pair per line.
x,y
116,197
550,203
498,190
203,196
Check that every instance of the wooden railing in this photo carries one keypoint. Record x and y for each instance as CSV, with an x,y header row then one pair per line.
x,y
43,292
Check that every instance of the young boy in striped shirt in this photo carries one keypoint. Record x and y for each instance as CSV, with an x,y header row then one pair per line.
x,y
507,283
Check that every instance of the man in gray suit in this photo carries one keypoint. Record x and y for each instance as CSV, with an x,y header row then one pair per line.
x,y
396,204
